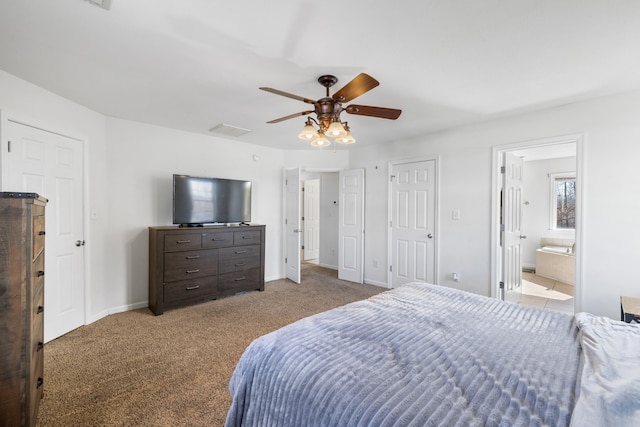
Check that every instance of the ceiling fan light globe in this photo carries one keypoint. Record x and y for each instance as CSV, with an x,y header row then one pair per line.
x,y
320,141
308,133
346,139
336,130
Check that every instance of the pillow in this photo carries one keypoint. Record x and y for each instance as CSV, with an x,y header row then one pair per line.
x,y
609,382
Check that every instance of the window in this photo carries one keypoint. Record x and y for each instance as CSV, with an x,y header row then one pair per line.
x,y
563,201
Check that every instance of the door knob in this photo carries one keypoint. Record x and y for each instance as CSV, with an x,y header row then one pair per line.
x,y
79,242
523,237
430,236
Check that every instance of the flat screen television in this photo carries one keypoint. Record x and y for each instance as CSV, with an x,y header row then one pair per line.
x,y
199,200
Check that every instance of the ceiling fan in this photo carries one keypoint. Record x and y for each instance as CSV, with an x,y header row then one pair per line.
x,y
329,108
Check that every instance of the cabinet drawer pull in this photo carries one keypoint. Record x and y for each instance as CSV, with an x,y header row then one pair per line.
x,y
193,257
180,242
193,271
40,273
247,237
241,252
239,279
41,233
40,346
192,288
241,264
218,239
40,309
40,382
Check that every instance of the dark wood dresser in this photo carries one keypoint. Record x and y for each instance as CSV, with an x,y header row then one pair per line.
x,y
22,236
191,265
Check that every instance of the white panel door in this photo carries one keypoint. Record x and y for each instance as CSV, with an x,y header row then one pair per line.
x,y
512,225
292,220
351,228
413,222
311,197
52,166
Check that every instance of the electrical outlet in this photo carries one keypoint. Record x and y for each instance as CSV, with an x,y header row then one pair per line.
x,y
455,277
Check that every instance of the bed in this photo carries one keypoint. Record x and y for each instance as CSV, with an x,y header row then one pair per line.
x,y
423,355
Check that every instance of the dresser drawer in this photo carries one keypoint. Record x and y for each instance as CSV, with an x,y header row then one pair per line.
x,y
37,273
36,386
37,307
177,294
38,235
240,281
247,237
181,242
229,265
217,240
239,252
190,264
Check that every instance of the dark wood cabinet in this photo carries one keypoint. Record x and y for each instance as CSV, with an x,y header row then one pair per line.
x,y
22,236
192,265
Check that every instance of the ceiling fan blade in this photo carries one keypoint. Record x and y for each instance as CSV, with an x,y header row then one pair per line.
x,y
288,95
360,84
291,116
365,110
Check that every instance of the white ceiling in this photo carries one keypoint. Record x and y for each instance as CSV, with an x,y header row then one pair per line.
x,y
193,64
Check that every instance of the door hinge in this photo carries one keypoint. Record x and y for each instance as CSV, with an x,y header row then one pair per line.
x,y
391,269
503,169
285,260
502,285
391,224
391,177
8,146
502,228
286,221
303,247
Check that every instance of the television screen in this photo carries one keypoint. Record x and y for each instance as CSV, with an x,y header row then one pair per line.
x,y
198,200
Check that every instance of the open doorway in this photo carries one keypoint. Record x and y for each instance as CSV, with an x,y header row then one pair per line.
x,y
320,192
536,223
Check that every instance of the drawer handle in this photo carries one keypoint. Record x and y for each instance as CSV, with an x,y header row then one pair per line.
x,y
193,257
247,237
241,264
241,252
40,346
40,382
40,273
239,279
193,271
218,239
180,242
41,233
192,288
40,309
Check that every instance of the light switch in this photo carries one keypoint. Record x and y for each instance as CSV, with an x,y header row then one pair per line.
x,y
455,214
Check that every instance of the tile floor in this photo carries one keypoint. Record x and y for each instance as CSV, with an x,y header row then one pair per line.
x,y
548,294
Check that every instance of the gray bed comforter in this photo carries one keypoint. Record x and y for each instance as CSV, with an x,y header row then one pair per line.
x,y
419,355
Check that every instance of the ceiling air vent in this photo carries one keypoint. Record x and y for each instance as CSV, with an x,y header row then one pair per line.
x,y
229,130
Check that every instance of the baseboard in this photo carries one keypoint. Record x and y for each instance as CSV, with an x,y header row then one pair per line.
x,y
331,267
376,283
115,310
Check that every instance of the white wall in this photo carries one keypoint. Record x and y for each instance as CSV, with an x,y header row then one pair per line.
x,y
29,104
128,175
127,164
611,243
536,214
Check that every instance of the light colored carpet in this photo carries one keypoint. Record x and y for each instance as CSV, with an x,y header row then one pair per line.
x,y
136,369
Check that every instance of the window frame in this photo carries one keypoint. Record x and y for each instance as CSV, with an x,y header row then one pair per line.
x,y
553,211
